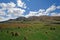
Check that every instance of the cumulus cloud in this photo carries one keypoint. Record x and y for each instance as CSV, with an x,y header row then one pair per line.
x,y
7,5
42,12
31,13
58,7
50,9
10,11
3,19
36,13
13,11
55,14
16,12
2,13
21,4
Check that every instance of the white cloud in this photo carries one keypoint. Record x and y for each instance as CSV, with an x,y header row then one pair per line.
x,y
16,12
50,9
21,4
3,19
10,11
2,13
7,5
31,13
55,14
36,13
42,12
58,7
11,4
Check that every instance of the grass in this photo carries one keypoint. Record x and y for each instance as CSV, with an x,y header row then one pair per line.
x,y
32,30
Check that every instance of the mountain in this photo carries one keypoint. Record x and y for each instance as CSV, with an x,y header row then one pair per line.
x,y
35,18
44,18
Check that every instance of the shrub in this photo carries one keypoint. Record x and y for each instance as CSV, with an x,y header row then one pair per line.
x,y
52,28
7,31
25,38
18,27
46,32
12,33
16,34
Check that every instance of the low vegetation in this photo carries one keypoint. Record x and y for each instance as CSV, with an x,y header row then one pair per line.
x,y
30,30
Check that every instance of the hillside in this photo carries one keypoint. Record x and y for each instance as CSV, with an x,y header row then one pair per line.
x,y
32,28
36,18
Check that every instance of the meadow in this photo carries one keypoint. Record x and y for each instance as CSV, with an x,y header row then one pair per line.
x,y
29,30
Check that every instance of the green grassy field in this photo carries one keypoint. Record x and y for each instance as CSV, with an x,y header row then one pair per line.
x,y
34,31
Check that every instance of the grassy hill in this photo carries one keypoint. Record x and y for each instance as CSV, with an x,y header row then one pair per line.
x,y
44,29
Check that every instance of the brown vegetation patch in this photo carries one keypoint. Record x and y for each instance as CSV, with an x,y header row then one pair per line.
x,y
7,25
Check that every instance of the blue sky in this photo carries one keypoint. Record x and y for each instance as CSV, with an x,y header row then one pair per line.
x,y
32,7
36,4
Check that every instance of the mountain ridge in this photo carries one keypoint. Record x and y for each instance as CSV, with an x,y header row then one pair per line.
x,y
35,18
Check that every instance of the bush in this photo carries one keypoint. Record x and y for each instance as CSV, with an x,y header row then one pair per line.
x,y
7,31
12,33
46,32
18,27
52,28
16,34
25,38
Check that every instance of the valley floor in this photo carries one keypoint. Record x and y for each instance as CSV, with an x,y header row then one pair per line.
x,y
32,30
